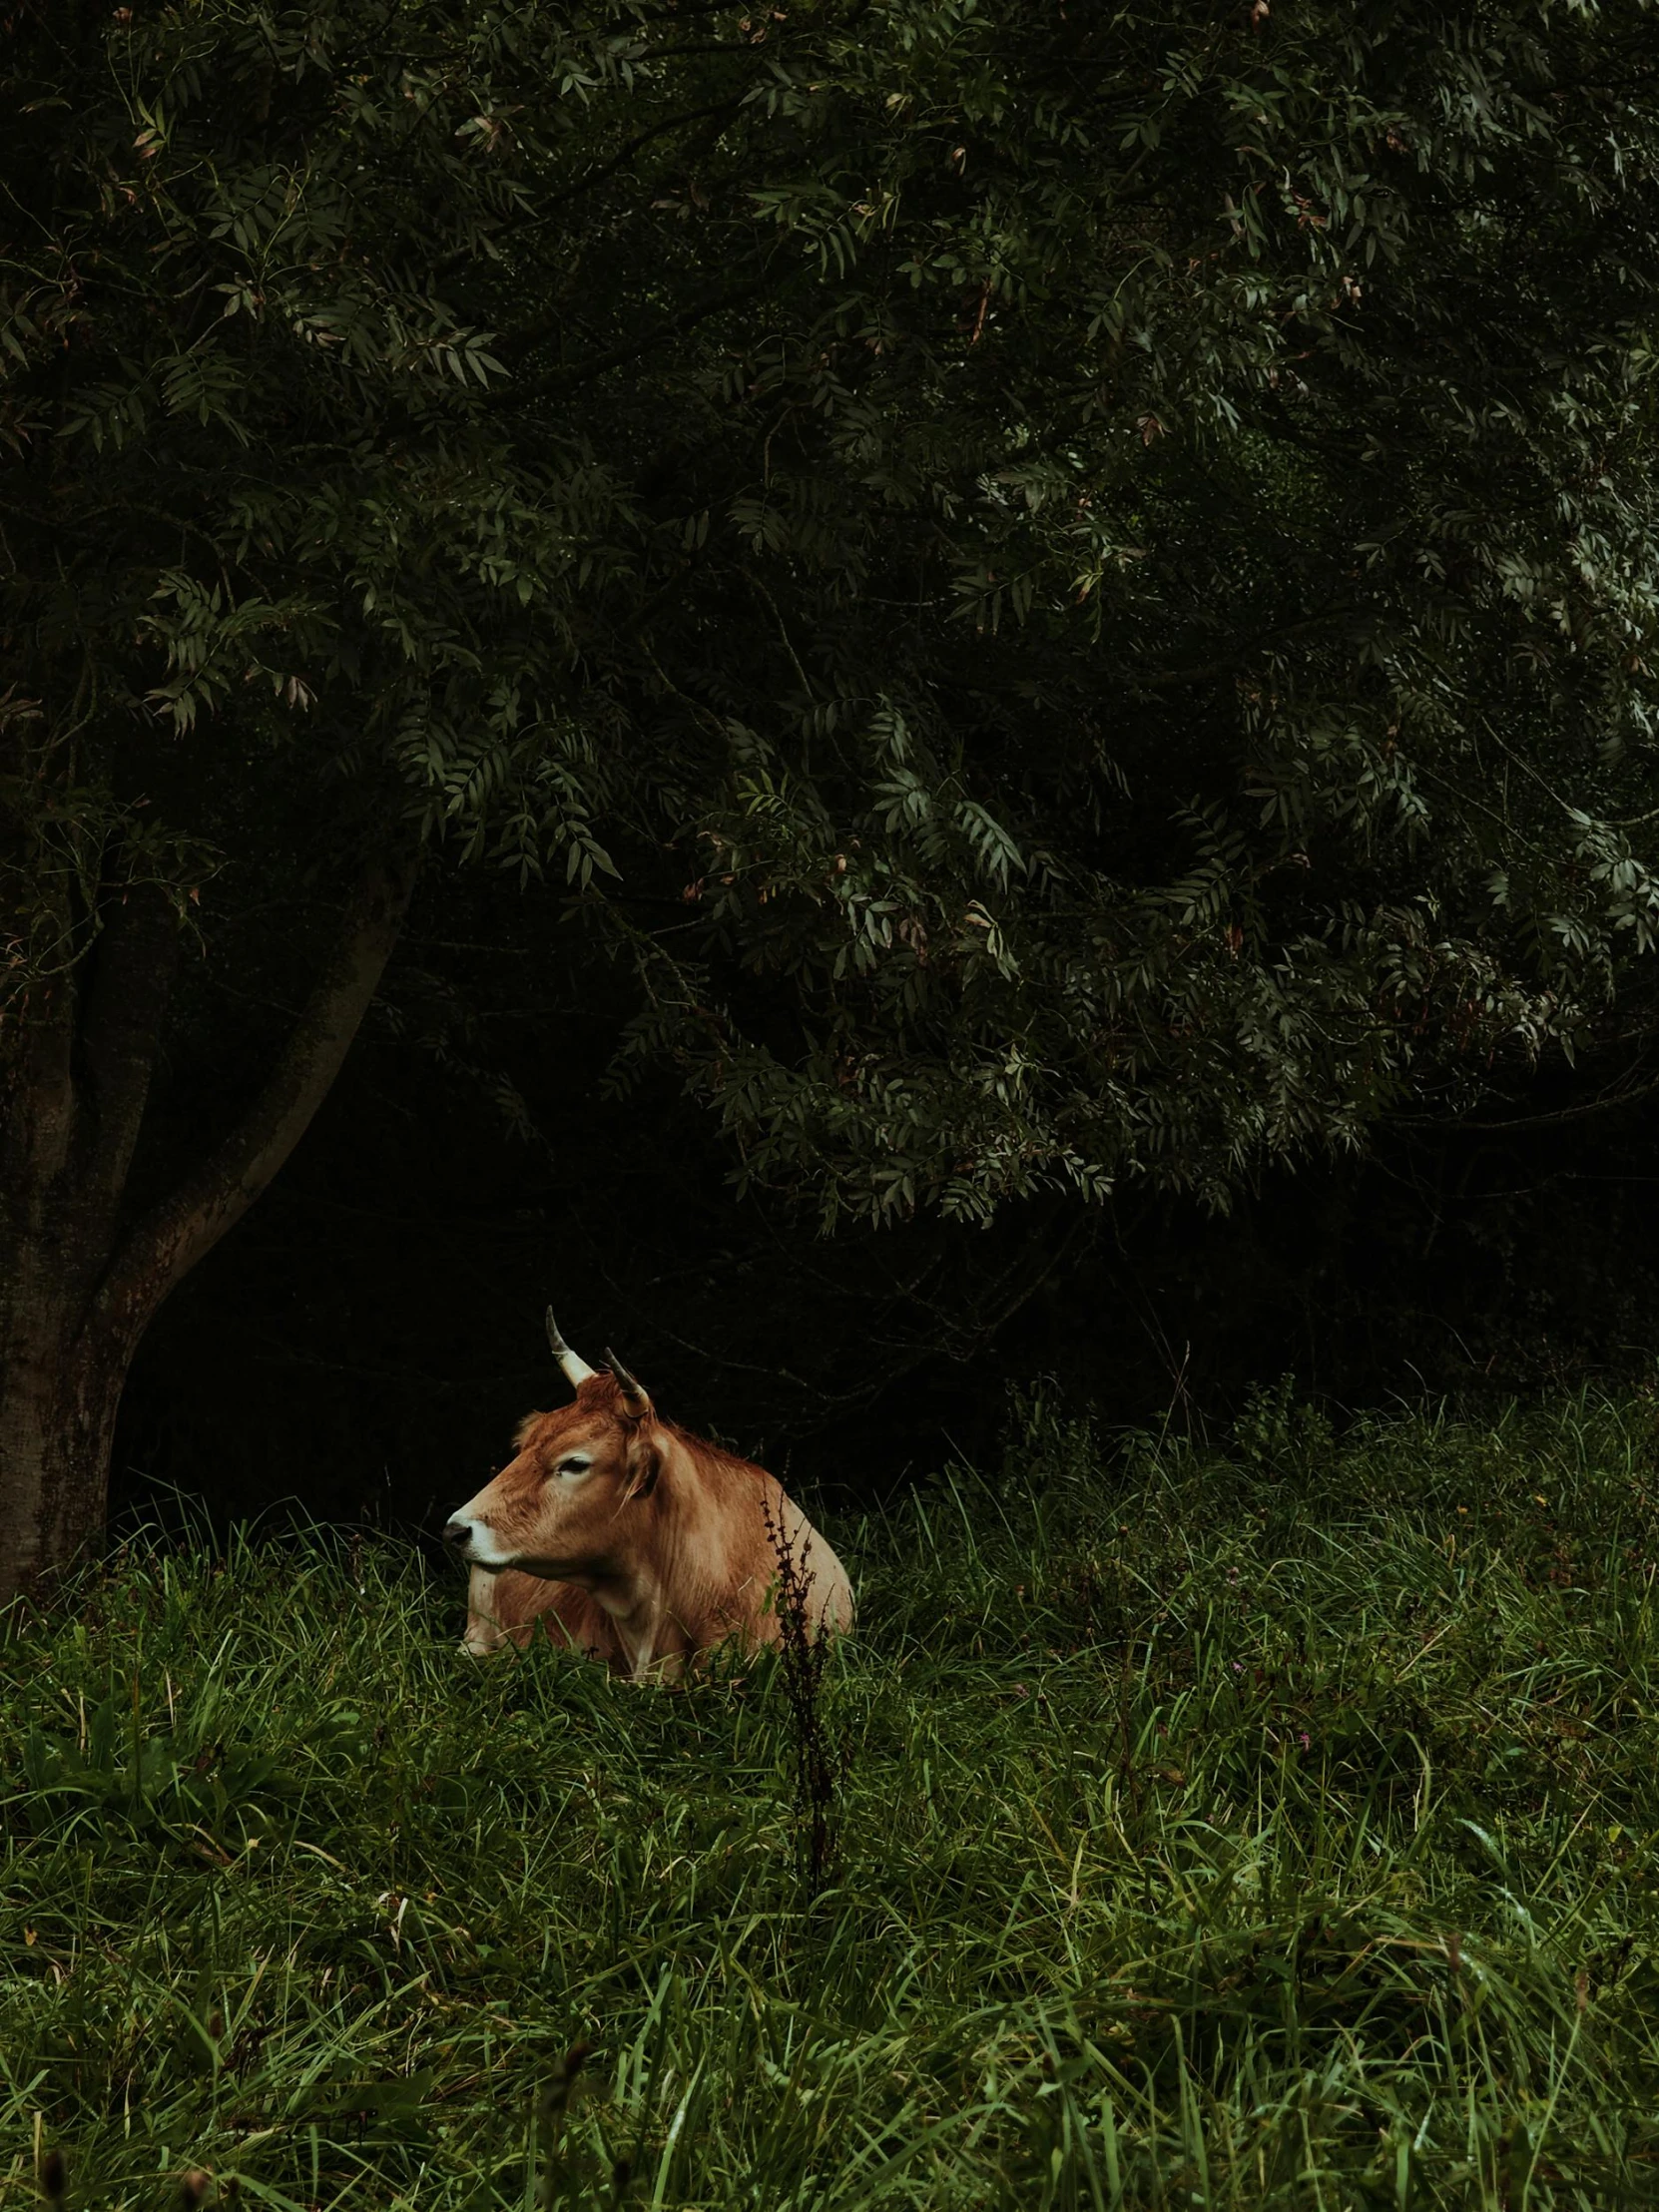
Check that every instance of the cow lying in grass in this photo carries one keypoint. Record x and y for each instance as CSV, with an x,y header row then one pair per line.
x,y
633,1541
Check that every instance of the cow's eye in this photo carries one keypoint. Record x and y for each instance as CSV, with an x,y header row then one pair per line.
x,y
572,1470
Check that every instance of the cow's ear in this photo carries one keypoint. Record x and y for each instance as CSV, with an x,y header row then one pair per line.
x,y
644,1477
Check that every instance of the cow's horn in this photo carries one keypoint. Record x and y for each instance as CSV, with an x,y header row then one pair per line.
x,y
636,1400
576,1369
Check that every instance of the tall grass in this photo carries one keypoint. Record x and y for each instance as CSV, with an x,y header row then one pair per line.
x,y
1269,1828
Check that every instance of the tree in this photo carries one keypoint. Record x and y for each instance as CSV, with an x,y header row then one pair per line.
x,y
271,571
1068,592
1217,489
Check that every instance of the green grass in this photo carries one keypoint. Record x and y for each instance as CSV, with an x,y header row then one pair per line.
x,y
1262,1827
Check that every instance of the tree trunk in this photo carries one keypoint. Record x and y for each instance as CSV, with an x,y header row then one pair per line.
x,y
59,1395
80,1277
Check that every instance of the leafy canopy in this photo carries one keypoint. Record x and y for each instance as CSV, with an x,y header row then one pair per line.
x,y
1070,589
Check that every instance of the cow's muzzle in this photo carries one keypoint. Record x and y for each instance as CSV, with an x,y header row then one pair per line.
x,y
475,1541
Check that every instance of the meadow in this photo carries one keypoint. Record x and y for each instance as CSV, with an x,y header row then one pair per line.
x,y
1264,1825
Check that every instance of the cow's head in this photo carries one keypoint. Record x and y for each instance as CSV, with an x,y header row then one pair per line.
x,y
567,1505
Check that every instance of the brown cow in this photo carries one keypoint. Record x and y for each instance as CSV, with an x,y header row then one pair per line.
x,y
631,1541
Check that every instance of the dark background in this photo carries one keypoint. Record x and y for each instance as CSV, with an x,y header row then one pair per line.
x,y
364,1341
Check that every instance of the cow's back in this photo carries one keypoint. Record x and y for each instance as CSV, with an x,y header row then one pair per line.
x,y
821,1581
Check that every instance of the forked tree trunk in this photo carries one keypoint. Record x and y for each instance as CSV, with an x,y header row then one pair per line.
x,y
80,1276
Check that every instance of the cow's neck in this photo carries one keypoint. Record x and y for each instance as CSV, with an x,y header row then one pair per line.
x,y
639,1633
638,1599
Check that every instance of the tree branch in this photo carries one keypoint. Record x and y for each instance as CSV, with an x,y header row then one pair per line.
x,y
1453,1126
132,978
161,1247
519,341
1174,678
569,379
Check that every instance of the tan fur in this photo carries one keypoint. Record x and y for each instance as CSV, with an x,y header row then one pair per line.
x,y
656,1556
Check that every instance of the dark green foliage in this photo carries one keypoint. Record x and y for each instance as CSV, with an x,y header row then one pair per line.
x,y
1270,1829
1072,589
